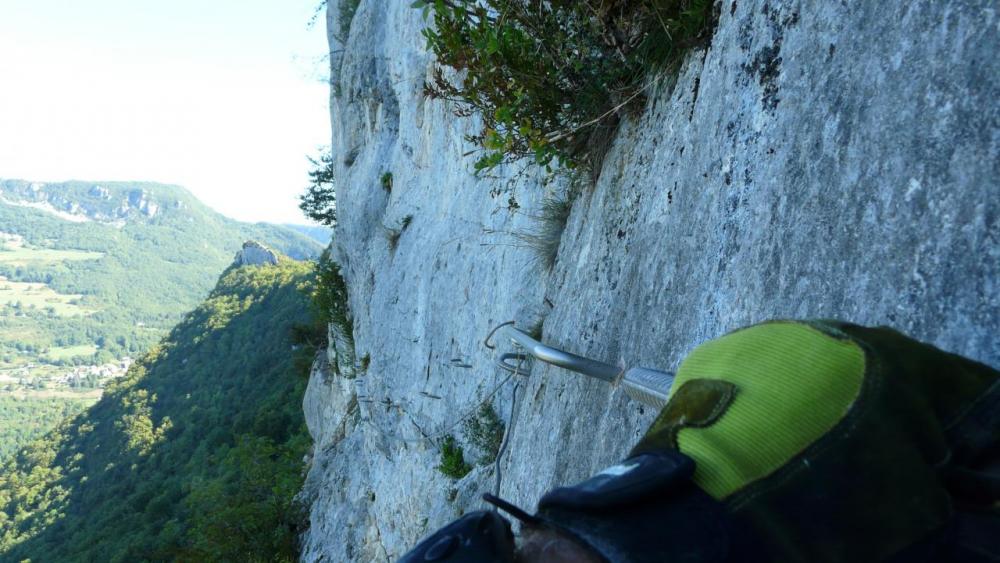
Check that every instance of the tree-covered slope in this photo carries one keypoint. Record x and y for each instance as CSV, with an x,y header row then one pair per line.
x,y
23,419
194,455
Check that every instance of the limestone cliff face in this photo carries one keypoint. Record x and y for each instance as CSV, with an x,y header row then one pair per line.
x,y
818,159
73,201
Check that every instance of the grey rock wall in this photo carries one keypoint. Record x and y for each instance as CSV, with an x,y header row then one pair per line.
x,y
819,159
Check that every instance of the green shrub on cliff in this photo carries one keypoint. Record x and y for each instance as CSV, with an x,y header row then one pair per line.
x,y
453,462
550,79
485,431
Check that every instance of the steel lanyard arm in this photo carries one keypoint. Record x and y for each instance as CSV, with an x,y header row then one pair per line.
x,y
648,386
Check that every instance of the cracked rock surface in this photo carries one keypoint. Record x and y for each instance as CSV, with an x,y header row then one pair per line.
x,y
818,159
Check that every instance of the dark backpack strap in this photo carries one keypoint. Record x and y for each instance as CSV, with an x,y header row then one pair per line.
x,y
970,537
975,433
972,476
972,473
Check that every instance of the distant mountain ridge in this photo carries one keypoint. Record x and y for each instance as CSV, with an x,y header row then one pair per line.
x,y
106,202
114,203
125,220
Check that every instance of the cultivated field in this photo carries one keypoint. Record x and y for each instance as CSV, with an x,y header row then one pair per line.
x,y
20,256
40,297
66,352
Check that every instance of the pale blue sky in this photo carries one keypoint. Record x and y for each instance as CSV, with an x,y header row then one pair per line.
x,y
225,97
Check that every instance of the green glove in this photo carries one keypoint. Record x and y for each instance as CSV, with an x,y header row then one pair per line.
x,y
833,440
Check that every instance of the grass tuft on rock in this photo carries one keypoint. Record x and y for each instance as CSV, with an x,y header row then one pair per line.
x,y
546,235
453,462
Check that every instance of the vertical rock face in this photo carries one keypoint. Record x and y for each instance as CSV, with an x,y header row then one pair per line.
x,y
816,160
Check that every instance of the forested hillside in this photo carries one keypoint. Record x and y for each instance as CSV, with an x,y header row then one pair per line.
x,y
92,275
23,418
195,454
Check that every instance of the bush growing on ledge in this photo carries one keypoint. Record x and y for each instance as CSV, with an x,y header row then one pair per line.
x,y
345,16
485,432
453,459
549,78
330,297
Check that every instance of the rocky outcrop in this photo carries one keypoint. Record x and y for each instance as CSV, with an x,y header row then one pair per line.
x,y
89,202
254,253
139,200
816,160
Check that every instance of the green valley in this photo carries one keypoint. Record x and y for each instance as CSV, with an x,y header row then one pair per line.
x,y
92,275
195,454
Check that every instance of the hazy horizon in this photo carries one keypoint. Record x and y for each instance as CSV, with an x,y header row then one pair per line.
x,y
226,100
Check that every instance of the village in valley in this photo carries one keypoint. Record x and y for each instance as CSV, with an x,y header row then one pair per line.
x,y
40,380
29,368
